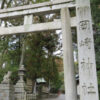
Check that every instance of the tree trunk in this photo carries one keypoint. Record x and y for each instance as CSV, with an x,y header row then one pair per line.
x,y
22,55
2,3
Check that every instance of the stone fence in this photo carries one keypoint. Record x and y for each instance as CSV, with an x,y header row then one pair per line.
x,y
10,92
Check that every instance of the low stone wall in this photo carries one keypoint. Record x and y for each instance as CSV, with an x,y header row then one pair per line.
x,y
20,96
30,97
9,92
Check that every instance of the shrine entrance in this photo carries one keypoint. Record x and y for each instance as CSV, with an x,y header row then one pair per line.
x,y
82,22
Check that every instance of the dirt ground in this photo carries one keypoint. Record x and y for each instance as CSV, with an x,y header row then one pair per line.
x,y
60,97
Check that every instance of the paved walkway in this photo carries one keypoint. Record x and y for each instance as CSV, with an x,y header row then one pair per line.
x,y
61,97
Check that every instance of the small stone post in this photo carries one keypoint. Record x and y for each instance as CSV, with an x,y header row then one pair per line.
x,y
6,92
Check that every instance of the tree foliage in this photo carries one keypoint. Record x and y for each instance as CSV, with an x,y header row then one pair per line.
x,y
95,5
39,58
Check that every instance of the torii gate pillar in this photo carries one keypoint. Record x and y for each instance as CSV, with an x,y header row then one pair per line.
x,y
69,71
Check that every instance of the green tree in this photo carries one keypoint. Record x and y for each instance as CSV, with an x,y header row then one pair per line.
x,y
39,48
95,5
39,58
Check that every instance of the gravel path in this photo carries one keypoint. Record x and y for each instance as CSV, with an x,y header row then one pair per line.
x,y
61,97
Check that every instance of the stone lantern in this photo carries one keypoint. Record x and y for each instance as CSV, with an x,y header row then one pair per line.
x,y
20,93
21,73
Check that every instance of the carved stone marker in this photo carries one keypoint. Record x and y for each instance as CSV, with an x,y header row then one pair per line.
x,y
6,78
87,63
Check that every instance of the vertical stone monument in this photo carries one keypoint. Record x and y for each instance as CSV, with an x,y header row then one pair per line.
x,y
6,88
87,63
20,93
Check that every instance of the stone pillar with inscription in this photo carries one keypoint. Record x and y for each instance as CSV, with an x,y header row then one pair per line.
x,y
69,71
86,54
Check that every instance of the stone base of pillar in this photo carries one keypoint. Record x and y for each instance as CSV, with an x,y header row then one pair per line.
x,y
20,93
6,92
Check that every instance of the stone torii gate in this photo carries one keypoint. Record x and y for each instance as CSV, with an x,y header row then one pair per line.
x,y
82,21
